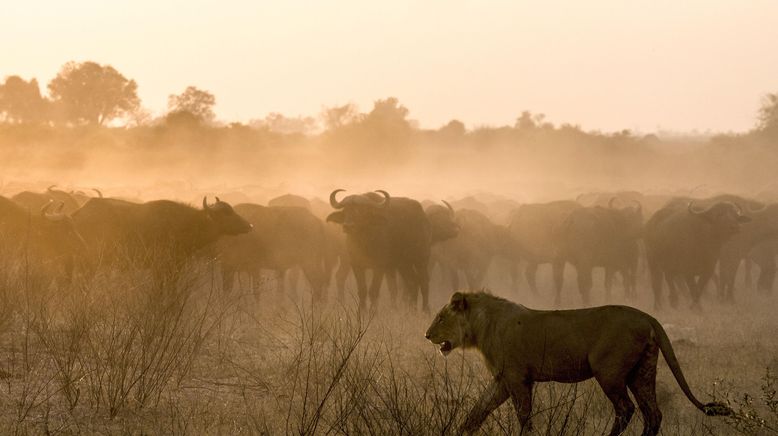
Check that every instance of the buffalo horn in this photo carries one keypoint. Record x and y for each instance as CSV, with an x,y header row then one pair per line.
x,y
386,195
334,201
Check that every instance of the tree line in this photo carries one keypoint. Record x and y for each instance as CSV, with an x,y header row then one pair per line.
x,y
88,93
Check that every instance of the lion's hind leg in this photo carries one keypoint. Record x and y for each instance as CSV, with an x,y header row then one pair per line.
x,y
611,374
642,383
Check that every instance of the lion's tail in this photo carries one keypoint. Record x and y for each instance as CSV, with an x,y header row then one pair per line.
x,y
710,409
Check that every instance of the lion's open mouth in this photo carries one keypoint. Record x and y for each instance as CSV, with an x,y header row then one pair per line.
x,y
445,347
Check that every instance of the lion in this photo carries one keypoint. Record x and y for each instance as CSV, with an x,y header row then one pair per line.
x,y
617,345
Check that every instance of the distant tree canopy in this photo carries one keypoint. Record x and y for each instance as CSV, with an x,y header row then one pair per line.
x,y
767,119
90,93
380,136
338,116
21,101
195,101
279,123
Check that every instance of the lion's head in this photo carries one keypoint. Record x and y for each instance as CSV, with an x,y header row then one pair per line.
x,y
450,328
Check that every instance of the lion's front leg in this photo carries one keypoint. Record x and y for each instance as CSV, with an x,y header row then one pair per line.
x,y
494,395
521,395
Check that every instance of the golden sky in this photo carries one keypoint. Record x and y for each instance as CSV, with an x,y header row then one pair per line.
x,y
603,64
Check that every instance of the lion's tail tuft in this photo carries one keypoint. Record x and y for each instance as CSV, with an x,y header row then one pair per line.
x,y
717,409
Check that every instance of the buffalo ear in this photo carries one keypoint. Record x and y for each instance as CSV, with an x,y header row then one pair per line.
x,y
459,301
336,217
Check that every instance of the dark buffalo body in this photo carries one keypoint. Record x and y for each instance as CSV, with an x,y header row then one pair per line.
x,y
283,237
385,235
472,250
601,237
683,243
535,228
47,239
121,231
757,236
34,201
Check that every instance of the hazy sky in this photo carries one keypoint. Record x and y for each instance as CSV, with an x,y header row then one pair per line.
x,y
603,64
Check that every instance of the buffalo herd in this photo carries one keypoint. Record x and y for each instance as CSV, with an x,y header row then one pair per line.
x,y
677,243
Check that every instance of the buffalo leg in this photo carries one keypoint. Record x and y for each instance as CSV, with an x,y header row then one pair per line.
x,y
453,274
609,272
531,274
281,283
584,273
513,269
728,266
766,278
656,286
423,280
391,285
558,269
375,287
411,285
697,287
749,270
341,274
228,278
315,276
359,276
672,288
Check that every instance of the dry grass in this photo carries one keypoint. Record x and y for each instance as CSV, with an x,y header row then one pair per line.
x,y
134,352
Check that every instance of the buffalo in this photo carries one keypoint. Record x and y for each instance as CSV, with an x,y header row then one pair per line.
x,y
34,201
385,235
284,237
48,239
121,232
471,252
762,228
601,237
684,243
535,228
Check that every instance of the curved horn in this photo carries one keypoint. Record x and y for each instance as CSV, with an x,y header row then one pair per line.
x,y
690,207
334,201
99,194
205,203
45,208
610,202
448,206
51,188
386,195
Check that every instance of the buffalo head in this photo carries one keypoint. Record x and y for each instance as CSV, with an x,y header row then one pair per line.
x,y
227,221
632,216
442,222
724,216
59,230
359,211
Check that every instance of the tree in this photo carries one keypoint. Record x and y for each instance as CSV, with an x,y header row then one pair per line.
x,y
454,128
195,101
21,101
90,93
379,138
338,116
280,123
768,115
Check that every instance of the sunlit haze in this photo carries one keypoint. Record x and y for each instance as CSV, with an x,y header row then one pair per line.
x,y
604,65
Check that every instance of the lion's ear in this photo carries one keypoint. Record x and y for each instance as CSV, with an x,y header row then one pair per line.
x,y
459,301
